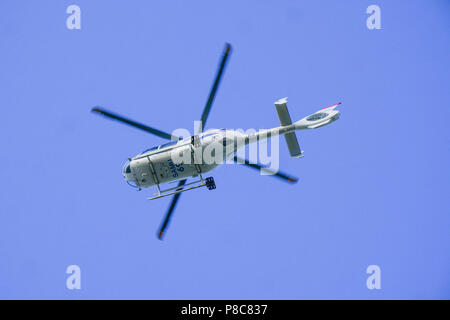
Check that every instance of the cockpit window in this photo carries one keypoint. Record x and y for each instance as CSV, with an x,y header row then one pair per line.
x,y
128,169
161,146
168,144
317,116
151,149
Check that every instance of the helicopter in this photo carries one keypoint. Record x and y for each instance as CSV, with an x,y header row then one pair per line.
x,y
184,158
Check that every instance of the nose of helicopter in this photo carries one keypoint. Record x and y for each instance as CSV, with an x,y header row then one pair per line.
x,y
126,171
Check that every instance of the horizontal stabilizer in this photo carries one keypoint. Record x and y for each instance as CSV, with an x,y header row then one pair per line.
x,y
293,146
283,113
285,120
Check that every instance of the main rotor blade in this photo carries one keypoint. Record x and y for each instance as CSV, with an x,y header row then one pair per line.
x,y
170,211
277,174
212,94
132,123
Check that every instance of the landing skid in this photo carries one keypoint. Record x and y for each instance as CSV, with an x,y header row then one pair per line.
x,y
208,182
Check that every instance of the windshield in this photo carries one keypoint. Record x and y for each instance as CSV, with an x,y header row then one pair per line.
x,y
160,147
168,144
148,150
126,167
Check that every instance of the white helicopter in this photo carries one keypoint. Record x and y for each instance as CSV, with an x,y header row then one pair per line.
x,y
181,159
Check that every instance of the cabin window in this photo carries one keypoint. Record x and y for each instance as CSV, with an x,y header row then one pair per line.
x,y
168,144
151,149
226,141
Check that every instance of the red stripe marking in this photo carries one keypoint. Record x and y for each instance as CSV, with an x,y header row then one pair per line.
x,y
334,105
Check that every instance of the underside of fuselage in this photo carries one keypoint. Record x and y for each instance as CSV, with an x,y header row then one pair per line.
x,y
161,168
175,161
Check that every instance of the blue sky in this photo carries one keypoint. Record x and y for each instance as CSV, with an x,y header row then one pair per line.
x,y
373,186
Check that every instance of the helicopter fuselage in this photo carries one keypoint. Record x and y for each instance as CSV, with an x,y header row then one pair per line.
x,y
181,159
